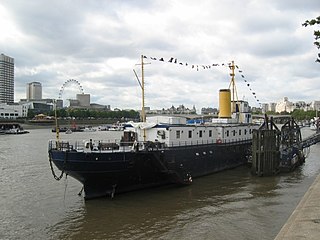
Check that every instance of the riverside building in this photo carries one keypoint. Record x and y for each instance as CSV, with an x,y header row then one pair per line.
x,y
6,79
34,91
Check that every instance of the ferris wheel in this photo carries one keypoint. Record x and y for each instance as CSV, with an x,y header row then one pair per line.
x,y
70,83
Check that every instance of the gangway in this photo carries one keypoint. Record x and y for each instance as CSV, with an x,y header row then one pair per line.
x,y
311,140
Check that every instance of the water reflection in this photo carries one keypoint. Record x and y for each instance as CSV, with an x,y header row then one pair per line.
x,y
225,204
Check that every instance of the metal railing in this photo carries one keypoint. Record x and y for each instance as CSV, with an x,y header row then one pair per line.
x,y
119,146
207,142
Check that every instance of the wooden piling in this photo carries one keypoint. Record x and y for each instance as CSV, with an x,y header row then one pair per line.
x,y
265,152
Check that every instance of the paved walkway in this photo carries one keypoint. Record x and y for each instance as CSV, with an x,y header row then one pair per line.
x,y
304,222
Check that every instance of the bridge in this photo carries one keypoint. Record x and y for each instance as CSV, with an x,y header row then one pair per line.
x,y
271,116
311,140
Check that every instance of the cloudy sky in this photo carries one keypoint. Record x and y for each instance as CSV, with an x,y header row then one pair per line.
x,y
99,43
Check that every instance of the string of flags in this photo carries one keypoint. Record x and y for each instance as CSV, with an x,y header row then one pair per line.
x,y
198,67
248,84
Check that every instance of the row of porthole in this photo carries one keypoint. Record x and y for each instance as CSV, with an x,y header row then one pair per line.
x,y
204,153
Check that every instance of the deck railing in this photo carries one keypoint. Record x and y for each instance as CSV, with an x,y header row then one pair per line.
x,y
119,146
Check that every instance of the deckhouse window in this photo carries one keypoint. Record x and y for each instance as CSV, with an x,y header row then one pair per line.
x,y
178,134
245,132
210,133
239,131
200,133
227,133
190,134
234,132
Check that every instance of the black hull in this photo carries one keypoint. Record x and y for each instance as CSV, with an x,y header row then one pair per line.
x,y
104,174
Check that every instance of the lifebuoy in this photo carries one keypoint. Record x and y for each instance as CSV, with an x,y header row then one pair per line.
x,y
219,140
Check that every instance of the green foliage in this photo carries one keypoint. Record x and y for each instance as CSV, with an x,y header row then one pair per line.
x,y
316,33
299,114
95,114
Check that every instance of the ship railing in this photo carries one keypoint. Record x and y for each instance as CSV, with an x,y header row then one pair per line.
x,y
120,146
209,142
109,145
60,145
156,146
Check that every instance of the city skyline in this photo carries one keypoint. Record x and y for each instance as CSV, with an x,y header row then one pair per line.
x,y
101,44
34,91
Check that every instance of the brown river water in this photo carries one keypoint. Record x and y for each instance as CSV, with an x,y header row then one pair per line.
x,y
229,205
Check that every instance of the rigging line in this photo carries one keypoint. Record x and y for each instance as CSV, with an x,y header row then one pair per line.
x,y
137,78
248,85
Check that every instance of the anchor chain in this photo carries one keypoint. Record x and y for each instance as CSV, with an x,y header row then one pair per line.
x,y
58,178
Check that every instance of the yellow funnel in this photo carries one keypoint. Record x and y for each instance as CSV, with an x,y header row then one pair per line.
x,y
225,103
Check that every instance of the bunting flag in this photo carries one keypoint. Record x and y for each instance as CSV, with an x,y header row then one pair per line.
x,y
198,67
248,85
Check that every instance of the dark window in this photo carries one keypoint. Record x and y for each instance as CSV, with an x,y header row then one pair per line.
x,y
178,134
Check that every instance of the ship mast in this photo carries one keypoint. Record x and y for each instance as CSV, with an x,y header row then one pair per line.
x,y
143,113
56,122
232,86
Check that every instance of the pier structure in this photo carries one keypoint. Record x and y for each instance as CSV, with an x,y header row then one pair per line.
x,y
266,149
275,151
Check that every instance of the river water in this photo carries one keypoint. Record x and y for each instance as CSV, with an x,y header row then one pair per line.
x,y
228,205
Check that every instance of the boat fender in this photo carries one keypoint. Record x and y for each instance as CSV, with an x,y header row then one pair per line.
x,y
190,179
135,146
219,140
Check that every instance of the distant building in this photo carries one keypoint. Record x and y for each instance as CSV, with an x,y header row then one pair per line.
x,y
300,105
100,107
84,100
172,110
39,106
34,91
209,111
13,111
74,103
315,105
6,79
265,107
272,107
59,103
284,106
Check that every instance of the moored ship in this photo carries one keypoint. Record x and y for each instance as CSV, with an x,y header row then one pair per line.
x,y
159,150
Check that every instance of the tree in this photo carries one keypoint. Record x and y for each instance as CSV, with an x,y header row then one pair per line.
x,y
316,33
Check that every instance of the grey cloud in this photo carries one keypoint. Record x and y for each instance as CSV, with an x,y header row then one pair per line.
x,y
61,41
297,5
